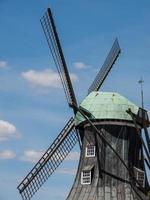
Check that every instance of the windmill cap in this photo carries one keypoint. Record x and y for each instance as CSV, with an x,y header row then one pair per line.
x,y
106,105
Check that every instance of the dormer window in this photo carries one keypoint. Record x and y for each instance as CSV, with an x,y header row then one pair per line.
x,y
140,177
90,151
86,175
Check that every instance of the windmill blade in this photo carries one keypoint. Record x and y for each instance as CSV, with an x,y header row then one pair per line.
x,y
105,69
147,163
143,119
147,138
48,163
53,41
135,118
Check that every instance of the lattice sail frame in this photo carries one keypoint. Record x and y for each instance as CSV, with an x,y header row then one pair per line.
x,y
48,163
105,69
53,41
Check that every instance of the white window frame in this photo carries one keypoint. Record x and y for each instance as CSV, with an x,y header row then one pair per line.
x,y
140,176
90,152
86,175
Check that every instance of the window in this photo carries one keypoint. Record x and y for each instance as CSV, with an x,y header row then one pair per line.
x,y
86,177
140,176
90,151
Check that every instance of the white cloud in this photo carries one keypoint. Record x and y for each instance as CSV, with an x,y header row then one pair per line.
x,y
67,171
3,64
73,156
73,77
80,65
7,154
45,78
31,156
7,130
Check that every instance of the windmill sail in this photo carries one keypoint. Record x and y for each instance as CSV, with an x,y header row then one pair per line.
x,y
51,34
48,163
144,120
102,74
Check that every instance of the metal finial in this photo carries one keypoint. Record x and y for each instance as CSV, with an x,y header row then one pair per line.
x,y
141,81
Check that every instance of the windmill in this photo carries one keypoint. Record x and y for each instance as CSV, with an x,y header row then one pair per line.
x,y
108,128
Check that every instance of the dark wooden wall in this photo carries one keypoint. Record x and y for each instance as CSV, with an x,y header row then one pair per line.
x,y
103,186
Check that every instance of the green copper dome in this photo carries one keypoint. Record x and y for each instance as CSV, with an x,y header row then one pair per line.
x,y
106,105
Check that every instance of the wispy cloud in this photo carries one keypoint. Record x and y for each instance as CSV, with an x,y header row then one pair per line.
x,y
46,78
33,156
67,171
73,156
81,65
7,154
3,64
7,130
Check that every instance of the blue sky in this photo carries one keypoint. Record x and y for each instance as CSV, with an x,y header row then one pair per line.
x,y
32,108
